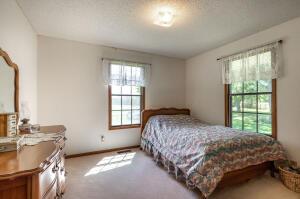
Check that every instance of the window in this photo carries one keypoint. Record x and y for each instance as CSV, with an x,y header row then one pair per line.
x,y
250,88
251,106
126,90
125,106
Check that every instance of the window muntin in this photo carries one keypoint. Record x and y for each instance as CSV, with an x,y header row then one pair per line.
x,y
125,106
250,106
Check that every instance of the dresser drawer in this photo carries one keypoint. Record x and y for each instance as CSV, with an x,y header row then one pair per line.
x,y
47,178
61,144
62,177
8,124
11,130
11,123
11,127
51,192
12,133
12,117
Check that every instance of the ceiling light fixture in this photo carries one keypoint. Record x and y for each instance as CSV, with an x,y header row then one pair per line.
x,y
164,17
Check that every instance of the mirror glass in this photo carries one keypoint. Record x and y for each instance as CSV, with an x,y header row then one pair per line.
x,y
7,87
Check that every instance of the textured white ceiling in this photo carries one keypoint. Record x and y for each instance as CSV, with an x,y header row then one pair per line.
x,y
200,25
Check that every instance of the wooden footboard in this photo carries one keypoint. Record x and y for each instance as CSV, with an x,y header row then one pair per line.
x,y
243,175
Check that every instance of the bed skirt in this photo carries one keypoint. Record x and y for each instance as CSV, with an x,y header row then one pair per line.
x,y
149,148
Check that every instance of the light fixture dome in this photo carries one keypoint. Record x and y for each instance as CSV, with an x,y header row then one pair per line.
x,y
164,16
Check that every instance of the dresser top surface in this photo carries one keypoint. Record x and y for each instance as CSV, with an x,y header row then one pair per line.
x,y
29,159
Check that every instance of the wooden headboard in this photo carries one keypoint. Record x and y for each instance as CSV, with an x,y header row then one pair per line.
x,y
147,113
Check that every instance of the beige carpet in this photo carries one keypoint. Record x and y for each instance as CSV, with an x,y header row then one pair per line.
x,y
136,176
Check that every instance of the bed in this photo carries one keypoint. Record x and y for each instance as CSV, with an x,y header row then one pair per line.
x,y
206,156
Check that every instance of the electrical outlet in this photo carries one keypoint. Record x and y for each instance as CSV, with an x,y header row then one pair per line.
x,y
102,138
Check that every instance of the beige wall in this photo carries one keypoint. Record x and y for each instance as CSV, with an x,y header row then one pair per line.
x,y
205,92
19,40
71,91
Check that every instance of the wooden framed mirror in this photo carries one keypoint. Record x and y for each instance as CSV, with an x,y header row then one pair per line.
x,y
9,84
9,95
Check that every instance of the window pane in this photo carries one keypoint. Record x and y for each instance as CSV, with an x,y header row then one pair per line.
x,y
126,90
250,87
265,124
264,103
136,117
116,102
250,103
265,86
236,103
116,118
126,102
236,88
115,89
237,121
126,117
136,90
136,102
250,122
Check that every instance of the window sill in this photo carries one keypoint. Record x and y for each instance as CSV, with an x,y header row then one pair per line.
x,y
124,127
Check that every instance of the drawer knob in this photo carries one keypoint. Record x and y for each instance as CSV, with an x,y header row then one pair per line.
x,y
47,162
57,196
54,169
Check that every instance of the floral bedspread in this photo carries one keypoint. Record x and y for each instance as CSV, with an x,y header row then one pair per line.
x,y
200,154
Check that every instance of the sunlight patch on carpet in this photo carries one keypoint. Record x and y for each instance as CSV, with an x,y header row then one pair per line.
x,y
111,162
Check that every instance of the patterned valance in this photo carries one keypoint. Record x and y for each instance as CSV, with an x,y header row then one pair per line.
x,y
262,63
124,73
